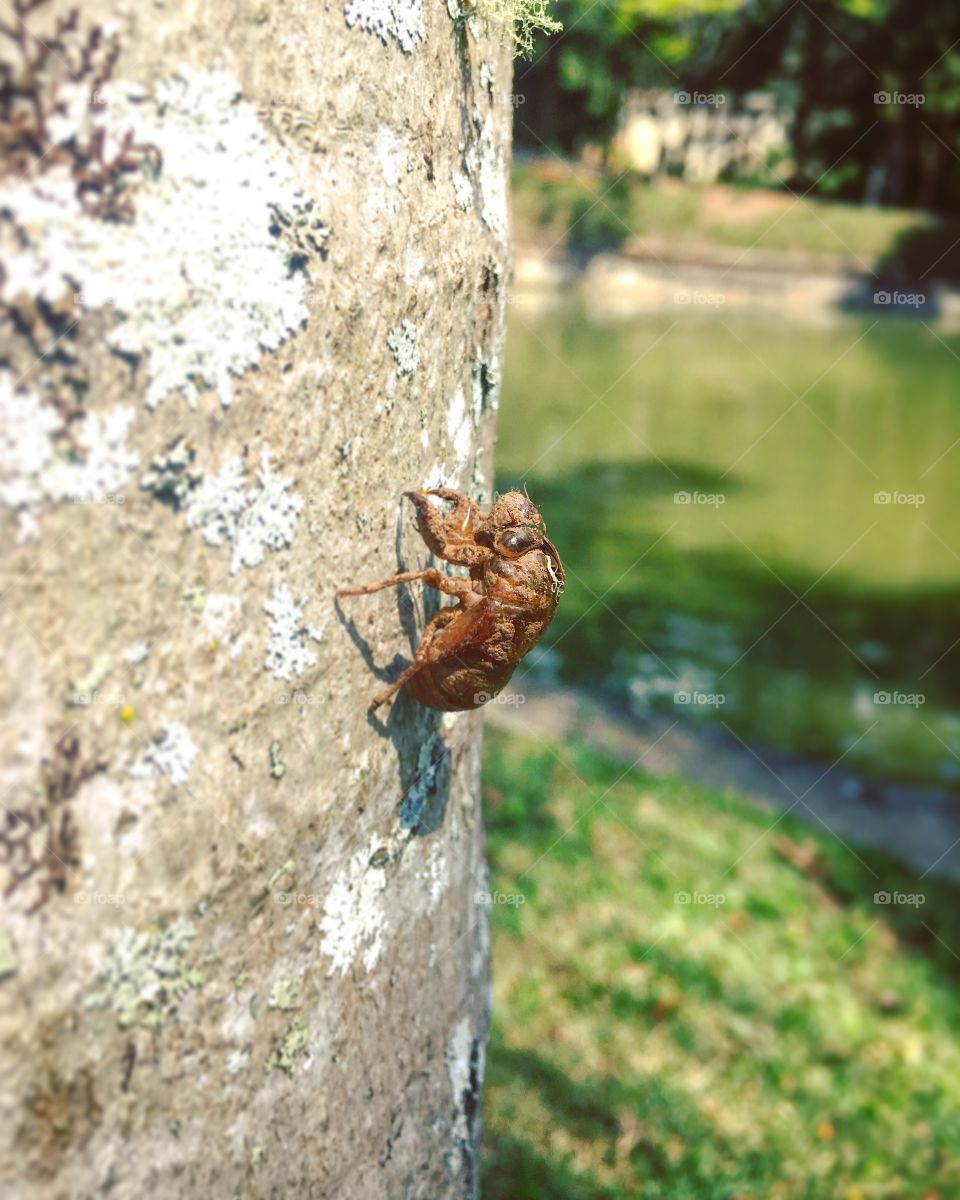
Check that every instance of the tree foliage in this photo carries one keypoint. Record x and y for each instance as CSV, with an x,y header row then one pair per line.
x,y
874,85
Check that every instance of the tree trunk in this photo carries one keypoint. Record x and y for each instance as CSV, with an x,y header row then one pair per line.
x,y
243,949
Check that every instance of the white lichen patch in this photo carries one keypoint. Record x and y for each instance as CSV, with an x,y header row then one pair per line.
x,y
460,428
402,341
201,279
463,190
171,755
401,20
439,477
484,160
40,463
26,448
354,921
287,651
457,1055
145,976
237,1061
437,876
136,653
390,154
493,180
253,520
222,622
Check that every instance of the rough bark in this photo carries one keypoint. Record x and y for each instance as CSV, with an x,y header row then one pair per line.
x,y
243,946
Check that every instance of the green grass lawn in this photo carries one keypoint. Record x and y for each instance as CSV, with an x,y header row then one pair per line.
x,y
566,203
796,1040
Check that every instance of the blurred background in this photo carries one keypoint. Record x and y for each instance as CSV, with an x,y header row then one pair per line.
x,y
722,795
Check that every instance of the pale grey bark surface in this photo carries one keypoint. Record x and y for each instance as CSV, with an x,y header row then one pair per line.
x,y
243,946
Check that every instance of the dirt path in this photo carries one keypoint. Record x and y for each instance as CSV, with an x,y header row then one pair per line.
x,y
920,826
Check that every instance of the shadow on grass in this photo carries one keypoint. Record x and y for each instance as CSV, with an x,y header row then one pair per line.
x,y
514,1170
924,255
609,1113
633,591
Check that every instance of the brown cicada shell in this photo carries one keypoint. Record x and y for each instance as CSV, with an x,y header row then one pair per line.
x,y
470,649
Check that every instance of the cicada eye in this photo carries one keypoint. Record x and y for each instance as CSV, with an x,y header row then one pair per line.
x,y
517,541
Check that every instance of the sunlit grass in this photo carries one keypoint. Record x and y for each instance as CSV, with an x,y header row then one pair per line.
x,y
568,202
795,1039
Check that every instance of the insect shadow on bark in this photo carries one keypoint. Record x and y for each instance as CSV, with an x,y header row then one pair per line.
x,y
424,782
406,602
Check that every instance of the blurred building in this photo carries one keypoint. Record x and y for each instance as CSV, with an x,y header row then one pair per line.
x,y
703,137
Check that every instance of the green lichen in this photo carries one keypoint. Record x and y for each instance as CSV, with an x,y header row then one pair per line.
x,y
277,768
85,687
146,976
196,597
9,963
293,1046
286,869
285,994
517,20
